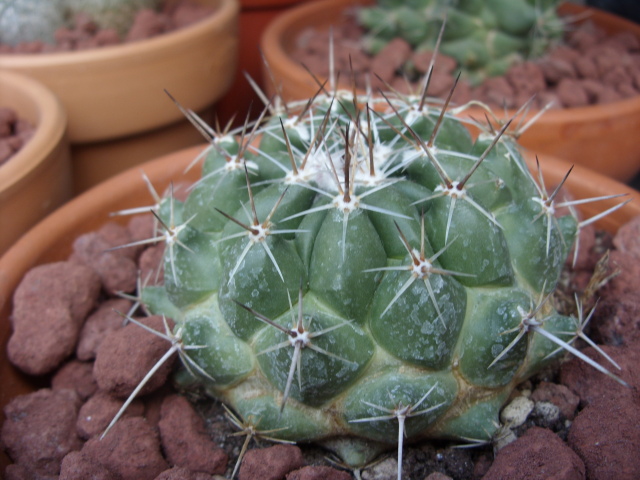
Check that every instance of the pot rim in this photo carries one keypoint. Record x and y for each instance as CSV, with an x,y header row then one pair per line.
x,y
224,13
273,40
50,128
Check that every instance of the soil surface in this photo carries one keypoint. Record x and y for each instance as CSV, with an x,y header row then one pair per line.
x,y
587,68
568,422
14,133
147,24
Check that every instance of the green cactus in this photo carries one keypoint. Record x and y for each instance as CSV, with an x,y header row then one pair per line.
x,y
484,37
30,20
362,269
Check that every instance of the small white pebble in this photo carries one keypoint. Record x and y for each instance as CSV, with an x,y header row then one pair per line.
x,y
385,470
516,412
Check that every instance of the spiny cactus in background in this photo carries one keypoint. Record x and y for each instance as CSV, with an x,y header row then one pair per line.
x,y
484,37
38,20
357,270
30,20
116,14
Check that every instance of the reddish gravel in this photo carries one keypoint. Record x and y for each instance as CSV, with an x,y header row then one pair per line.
x,y
14,133
590,421
589,68
85,34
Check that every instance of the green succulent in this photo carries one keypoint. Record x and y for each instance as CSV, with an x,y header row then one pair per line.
x,y
361,270
484,37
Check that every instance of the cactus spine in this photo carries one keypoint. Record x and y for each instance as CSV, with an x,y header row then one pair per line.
x,y
361,269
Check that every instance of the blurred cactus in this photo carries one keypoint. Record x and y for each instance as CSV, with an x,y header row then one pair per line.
x,y
30,20
116,14
484,37
38,20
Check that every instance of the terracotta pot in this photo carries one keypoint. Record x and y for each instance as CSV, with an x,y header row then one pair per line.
x,y
51,239
255,16
37,179
114,95
601,137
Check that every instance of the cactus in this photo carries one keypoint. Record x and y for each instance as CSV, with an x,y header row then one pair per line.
x,y
30,20
354,270
116,14
484,37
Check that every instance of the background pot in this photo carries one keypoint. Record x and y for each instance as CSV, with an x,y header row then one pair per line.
x,y
255,16
601,137
37,179
118,113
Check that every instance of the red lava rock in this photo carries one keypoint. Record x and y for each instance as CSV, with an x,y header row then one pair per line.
x,y
107,37
116,269
607,438
141,227
496,91
181,473
318,473
538,454
126,355
559,395
186,13
75,286
39,429
591,385
14,133
107,318
147,23
526,78
23,472
78,466
440,83
388,60
555,69
75,375
84,33
571,93
271,463
117,235
618,313
98,412
131,449
151,265
185,440
627,239
443,63
50,305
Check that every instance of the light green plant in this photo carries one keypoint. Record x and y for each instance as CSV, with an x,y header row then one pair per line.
x,y
485,37
352,271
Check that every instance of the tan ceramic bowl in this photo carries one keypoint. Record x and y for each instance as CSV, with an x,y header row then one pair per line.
x,y
37,179
118,91
603,138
